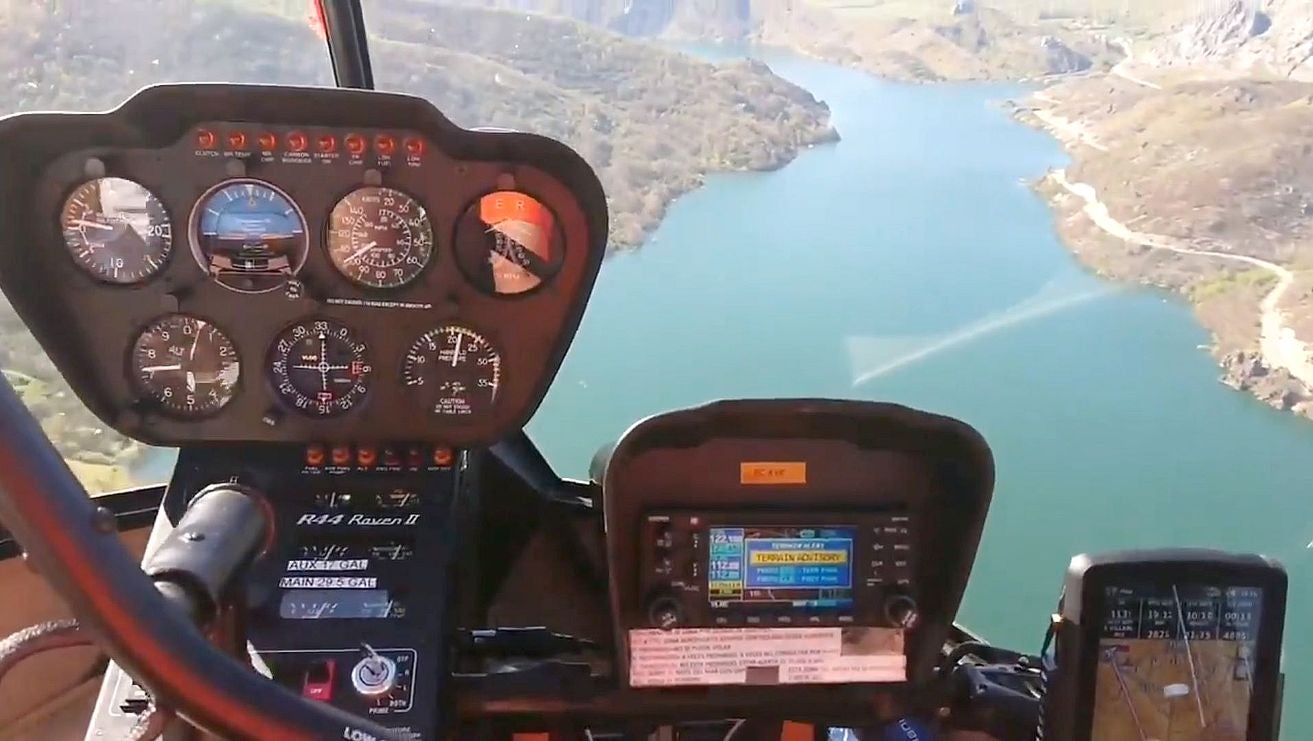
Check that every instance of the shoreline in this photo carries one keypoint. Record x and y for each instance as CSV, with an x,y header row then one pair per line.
x,y
1274,366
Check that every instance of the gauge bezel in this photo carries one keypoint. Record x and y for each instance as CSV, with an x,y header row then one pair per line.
x,y
327,241
165,258
193,233
146,401
284,404
558,232
454,419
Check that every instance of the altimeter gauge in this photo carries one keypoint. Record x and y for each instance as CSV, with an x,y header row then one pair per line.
x,y
185,365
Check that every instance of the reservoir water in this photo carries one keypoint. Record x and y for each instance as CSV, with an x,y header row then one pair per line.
x,y
911,263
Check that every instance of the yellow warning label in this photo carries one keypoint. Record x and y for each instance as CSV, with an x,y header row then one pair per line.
x,y
787,557
773,472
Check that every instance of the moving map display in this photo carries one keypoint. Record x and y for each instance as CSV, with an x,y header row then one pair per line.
x,y
1176,663
800,567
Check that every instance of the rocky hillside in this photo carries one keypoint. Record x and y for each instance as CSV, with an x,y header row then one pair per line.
x,y
961,41
671,19
651,122
947,41
1249,38
1206,142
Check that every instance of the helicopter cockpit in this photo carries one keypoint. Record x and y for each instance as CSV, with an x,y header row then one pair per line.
x,y
343,309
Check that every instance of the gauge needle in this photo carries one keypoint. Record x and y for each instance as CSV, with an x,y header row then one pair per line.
x,y
1189,655
157,368
1126,695
94,224
192,355
191,382
361,251
323,362
455,355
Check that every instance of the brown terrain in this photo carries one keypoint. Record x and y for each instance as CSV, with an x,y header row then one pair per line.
x,y
1205,142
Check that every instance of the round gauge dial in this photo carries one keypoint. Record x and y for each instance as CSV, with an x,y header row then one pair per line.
x,y
319,368
455,369
379,237
508,243
248,235
116,230
186,365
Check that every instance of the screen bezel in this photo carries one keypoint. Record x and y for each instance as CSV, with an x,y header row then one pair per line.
x,y
1260,726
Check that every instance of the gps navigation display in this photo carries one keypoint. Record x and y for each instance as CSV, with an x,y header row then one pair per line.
x,y
796,567
1175,663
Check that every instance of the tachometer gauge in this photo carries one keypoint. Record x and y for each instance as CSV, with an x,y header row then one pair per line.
x,y
508,243
379,237
248,235
319,368
186,365
455,369
116,230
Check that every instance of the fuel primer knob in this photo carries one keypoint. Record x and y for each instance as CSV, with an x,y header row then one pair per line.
x,y
664,612
374,675
901,610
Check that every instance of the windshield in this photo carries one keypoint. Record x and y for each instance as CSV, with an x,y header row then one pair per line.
x,y
1082,227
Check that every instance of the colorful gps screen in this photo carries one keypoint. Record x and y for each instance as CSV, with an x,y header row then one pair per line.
x,y
1176,663
794,567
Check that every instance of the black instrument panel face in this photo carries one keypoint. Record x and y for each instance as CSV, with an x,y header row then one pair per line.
x,y
243,263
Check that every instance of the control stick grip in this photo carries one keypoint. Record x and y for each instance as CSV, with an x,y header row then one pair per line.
x,y
223,530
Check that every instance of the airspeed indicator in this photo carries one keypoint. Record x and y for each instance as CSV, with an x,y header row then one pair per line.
x,y
379,237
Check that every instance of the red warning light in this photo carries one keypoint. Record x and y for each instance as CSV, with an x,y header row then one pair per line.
x,y
385,145
267,141
442,456
297,142
205,139
341,455
366,456
237,140
326,143
314,455
355,143
414,146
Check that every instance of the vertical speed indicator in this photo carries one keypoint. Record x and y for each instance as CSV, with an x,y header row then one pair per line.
x,y
455,370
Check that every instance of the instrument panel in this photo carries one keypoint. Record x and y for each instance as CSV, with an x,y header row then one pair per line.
x,y
241,263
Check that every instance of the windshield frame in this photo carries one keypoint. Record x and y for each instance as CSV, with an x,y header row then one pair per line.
x,y
343,25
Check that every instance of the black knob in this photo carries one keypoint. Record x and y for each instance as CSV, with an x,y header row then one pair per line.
x,y
664,536
664,612
901,610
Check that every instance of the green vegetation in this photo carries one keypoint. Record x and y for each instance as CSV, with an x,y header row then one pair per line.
x,y
651,121
1223,283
